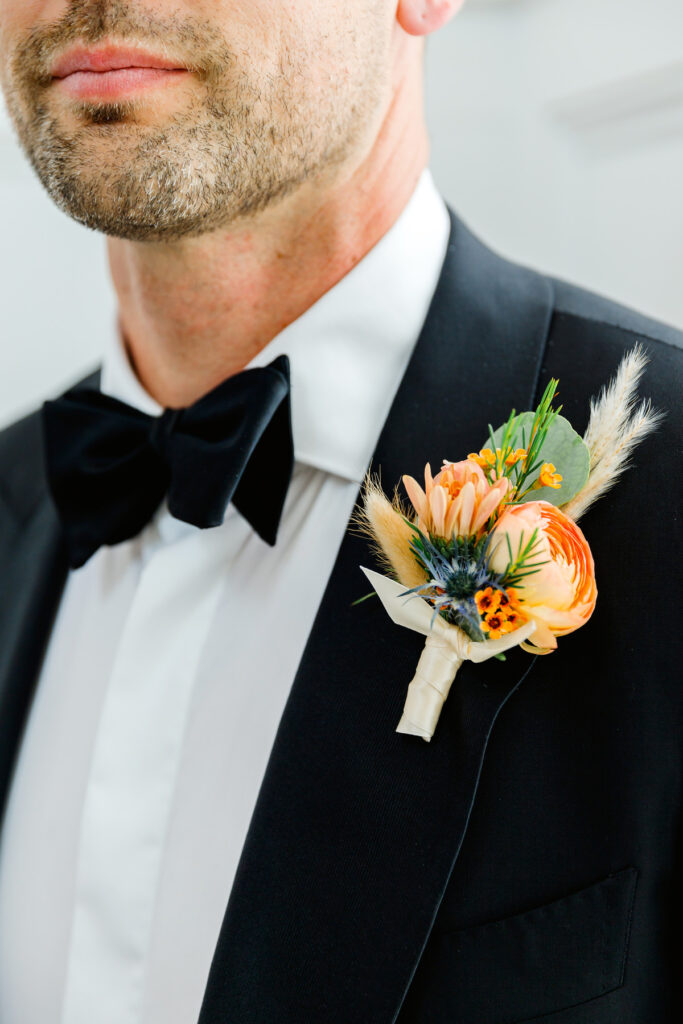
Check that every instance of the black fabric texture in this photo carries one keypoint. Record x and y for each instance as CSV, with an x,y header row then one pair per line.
x,y
527,863
577,945
109,465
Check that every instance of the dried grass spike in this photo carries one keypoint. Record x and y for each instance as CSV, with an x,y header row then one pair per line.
x,y
383,523
616,426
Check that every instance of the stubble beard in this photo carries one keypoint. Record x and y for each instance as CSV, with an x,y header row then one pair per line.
x,y
244,142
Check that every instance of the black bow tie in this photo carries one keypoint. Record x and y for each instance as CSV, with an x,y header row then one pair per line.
x,y
109,465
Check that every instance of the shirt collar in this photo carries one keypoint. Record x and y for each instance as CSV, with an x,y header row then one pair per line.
x,y
347,351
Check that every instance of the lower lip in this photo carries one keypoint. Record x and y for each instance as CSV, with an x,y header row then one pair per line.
x,y
115,84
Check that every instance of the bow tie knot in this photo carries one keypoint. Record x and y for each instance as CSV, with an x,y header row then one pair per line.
x,y
161,429
109,465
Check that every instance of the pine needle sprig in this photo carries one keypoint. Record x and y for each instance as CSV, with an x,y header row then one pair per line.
x,y
544,417
502,450
520,565
522,472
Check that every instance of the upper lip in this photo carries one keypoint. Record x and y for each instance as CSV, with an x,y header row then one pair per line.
x,y
109,58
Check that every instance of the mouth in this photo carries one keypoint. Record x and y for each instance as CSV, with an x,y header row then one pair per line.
x,y
112,72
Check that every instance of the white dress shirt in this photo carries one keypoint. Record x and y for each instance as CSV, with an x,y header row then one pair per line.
x,y
167,671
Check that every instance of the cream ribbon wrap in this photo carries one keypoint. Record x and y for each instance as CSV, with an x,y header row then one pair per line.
x,y
445,649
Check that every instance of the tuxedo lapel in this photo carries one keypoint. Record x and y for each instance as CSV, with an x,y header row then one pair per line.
x,y
357,828
34,569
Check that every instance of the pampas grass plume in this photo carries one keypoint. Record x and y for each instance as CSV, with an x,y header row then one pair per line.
x,y
617,424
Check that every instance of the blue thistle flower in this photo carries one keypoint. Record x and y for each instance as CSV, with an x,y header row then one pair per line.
x,y
457,569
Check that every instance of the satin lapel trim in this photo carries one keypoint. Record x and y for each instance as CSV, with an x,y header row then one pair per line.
x,y
34,570
357,828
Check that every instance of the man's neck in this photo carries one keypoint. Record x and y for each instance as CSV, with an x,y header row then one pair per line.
x,y
194,312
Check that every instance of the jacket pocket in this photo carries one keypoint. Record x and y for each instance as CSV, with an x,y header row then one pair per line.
x,y
536,963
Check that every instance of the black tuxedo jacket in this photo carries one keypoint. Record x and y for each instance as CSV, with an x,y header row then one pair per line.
x,y
523,866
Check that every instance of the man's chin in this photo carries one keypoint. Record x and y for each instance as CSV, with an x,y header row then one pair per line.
x,y
127,224
133,217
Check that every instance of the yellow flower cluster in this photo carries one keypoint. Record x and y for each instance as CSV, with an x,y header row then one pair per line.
x,y
500,611
548,477
487,458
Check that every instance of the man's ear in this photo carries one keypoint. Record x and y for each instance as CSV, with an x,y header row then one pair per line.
x,y
420,17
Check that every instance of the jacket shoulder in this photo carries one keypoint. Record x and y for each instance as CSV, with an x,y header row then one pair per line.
x,y
22,465
590,335
22,474
16,437
602,315
21,444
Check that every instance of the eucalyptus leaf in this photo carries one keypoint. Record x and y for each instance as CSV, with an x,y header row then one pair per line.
x,y
563,447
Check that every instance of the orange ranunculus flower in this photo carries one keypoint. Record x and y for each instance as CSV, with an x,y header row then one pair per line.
x,y
561,595
459,500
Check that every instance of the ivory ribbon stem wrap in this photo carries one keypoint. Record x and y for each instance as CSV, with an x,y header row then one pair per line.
x,y
445,649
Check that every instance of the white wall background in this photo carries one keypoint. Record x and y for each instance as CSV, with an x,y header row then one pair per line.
x,y
557,133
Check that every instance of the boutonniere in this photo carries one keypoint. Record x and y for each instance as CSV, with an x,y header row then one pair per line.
x,y
488,555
